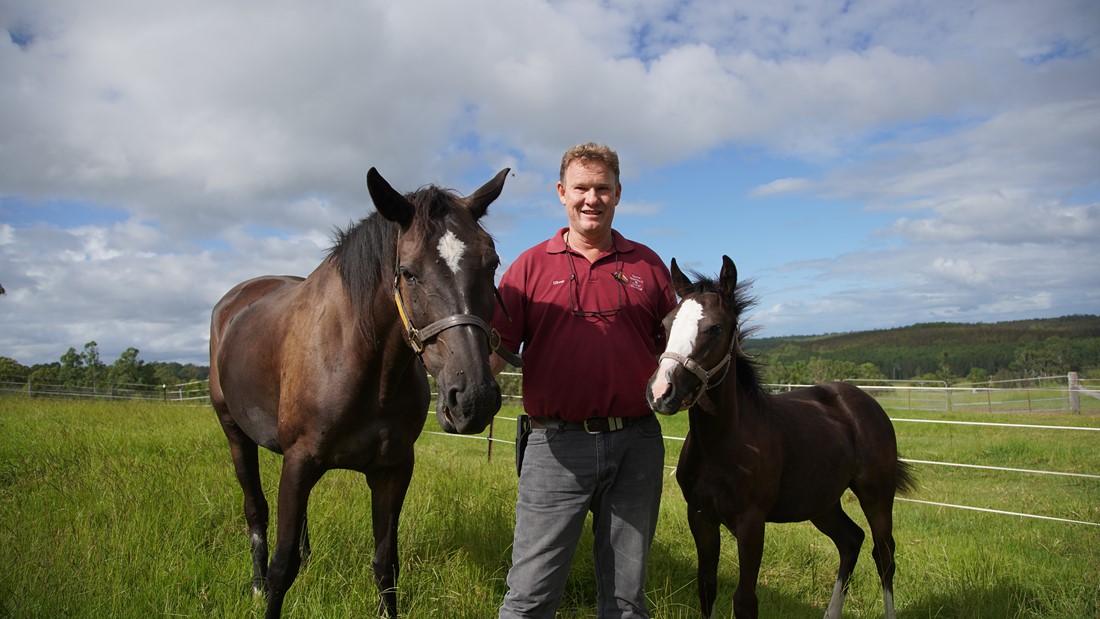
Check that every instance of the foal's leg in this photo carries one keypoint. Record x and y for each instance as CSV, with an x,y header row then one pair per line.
x,y
298,477
246,464
848,538
387,494
750,549
708,544
879,510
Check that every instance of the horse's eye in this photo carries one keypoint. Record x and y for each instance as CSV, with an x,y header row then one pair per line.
x,y
714,330
407,275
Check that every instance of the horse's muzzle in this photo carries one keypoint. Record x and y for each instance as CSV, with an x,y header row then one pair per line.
x,y
465,407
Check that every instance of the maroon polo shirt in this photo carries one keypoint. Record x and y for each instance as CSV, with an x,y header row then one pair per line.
x,y
576,367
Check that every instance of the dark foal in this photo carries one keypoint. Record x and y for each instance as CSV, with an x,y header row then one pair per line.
x,y
752,457
325,370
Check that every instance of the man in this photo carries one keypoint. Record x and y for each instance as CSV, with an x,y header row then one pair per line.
x,y
587,306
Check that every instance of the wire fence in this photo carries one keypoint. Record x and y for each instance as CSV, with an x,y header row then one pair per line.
x,y
1039,395
1088,476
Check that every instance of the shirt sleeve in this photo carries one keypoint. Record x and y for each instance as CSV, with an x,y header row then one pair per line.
x,y
510,316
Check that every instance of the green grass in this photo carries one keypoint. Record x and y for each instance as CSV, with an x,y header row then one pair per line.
x,y
131,510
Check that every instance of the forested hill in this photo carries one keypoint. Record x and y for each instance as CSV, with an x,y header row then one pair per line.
x,y
1019,347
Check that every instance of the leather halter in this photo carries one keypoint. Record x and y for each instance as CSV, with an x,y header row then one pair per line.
x,y
707,379
419,338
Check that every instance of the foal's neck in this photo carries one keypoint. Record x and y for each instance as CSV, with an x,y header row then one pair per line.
x,y
728,407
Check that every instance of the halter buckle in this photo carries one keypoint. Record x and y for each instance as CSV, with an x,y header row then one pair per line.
x,y
414,340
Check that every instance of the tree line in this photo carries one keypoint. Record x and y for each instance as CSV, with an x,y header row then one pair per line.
x,y
951,352
87,369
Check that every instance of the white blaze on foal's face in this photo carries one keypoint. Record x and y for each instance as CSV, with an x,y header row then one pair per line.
x,y
451,250
681,340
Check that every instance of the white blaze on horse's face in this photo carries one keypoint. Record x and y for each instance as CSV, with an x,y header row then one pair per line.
x,y
451,250
681,340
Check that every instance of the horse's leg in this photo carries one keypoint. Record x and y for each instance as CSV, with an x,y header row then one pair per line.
x,y
848,538
879,510
708,544
387,494
298,477
305,550
246,464
750,550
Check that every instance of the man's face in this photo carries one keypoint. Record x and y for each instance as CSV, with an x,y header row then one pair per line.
x,y
589,192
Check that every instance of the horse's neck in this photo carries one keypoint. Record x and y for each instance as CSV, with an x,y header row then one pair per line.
x,y
386,344
380,347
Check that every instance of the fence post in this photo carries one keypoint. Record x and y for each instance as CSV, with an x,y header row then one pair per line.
x,y
1074,393
489,457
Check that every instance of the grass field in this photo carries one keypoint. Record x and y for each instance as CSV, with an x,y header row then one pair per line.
x,y
132,510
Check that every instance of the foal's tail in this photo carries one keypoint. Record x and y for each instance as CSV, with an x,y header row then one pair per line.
x,y
905,482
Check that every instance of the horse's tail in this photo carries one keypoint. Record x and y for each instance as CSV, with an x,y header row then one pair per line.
x,y
906,481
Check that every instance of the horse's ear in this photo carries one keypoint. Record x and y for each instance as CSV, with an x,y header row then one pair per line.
x,y
478,202
680,283
727,279
391,204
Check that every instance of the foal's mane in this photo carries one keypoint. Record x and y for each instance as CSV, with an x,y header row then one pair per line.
x,y
748,369
365,253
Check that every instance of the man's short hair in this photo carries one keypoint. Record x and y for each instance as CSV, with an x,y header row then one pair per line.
x,y
590,151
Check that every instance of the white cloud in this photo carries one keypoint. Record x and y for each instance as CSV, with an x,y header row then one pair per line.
x,y
233,137
104,284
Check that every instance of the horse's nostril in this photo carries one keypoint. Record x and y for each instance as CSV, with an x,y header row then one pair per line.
x,y
452,397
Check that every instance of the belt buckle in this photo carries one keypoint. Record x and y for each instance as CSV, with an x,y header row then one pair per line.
x,y
613,423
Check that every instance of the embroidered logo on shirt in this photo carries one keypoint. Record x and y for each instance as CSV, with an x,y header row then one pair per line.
x,y
637,283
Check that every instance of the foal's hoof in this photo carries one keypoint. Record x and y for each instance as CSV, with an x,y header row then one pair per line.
x,y
259,590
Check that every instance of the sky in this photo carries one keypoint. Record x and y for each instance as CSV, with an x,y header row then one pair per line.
x,y
869,164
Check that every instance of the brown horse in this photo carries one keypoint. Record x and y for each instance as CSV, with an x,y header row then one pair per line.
x,y
752,457
325,371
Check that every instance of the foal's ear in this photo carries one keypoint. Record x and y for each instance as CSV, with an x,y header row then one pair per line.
x,y
478,202
727,279
680,283
391,204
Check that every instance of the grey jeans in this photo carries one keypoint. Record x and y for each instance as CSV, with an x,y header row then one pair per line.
x,y
567,473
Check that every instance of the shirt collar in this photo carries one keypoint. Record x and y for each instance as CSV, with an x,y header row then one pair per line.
x,y
619,243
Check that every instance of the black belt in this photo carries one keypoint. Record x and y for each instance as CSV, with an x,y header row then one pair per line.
x,y
592,425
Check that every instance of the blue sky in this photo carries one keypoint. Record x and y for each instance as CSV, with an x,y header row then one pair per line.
x,y
869,164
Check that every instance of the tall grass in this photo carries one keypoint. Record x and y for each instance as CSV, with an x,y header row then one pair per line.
x,y
131,510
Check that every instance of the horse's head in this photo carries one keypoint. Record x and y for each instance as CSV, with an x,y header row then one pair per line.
x,y
444,290
702,335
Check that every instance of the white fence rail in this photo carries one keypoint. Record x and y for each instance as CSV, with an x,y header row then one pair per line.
x,y
1035,395
195,392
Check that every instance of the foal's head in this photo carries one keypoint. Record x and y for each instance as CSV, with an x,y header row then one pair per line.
x,y
703,338
444,289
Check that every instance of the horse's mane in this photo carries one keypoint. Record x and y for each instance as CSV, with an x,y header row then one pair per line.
x,y
747,367
365,252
